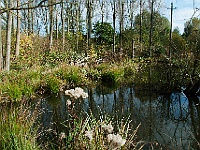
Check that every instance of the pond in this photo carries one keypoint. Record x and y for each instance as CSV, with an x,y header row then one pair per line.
x,y
165,113
169,119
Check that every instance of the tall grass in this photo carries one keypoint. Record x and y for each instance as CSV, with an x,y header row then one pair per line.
x,y
98,133
16,128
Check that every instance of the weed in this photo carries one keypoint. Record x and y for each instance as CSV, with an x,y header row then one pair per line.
x,y
16,128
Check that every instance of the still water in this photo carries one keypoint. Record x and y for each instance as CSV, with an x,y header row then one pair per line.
x,y
172,119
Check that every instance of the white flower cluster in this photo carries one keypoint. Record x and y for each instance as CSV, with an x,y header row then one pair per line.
x,y
76,93
68,102
115,141
89,134
107,128
62,135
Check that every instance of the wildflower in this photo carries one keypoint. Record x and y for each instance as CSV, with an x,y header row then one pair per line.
x,y
84,95
76,93
62,135
115,141
108,128
89,134
69,92
68,102
109,137
78,90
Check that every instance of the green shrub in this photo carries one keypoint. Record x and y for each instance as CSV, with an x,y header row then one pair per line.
x,y
94,74
112,74
128,71
73,75
52,83
13,91
108,77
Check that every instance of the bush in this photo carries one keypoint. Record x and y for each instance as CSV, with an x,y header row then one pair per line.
x,y
13,91
112,74
52,83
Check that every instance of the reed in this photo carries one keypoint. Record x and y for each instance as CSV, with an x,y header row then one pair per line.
x,y
99,133
16,128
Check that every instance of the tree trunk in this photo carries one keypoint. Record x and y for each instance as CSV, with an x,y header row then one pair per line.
x,y
57,27
141,25
51,25
1,50
102,11
77,27
8,36
89,23
29,18
63,25
151,30
121,24
18,31
114,11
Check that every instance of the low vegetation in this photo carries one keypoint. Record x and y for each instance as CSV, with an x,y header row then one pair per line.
x,y
23,83
17,128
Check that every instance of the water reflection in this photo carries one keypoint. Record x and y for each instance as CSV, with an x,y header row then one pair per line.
x,y
179,106
171,120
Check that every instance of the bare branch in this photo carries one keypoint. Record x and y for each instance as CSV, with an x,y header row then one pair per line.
x,y
26,8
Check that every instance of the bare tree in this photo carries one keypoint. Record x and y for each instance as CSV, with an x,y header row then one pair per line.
x,y
77,25
1,50
151,28
18,31
114,23
89,22
8,35
130,12
51,24
57,25
102,3
121,24
63,25
141,12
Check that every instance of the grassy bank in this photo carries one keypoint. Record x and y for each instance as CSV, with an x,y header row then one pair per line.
x,y
22,84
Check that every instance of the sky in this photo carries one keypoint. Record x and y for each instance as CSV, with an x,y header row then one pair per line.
x,y
184,10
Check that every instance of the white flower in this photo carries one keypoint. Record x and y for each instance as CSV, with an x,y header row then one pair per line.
x,y
76,93
108,128
62,135
68,102
115,141
84,95
109,137
89,134
78,90
69,92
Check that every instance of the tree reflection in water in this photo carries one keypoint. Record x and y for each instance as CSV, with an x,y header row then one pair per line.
x,y
171,120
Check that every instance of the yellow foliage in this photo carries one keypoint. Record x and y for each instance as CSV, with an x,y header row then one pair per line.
x,y
92,53
26,42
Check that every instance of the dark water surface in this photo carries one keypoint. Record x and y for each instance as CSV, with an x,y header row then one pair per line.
x,y
172,120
